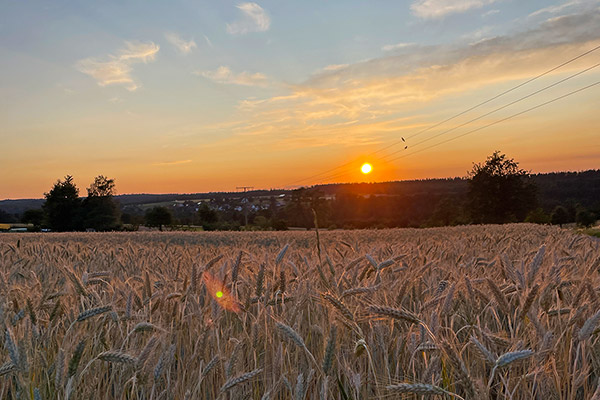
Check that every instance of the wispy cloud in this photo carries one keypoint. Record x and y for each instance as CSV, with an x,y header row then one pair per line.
x,y
568,6
480,34
335,67
431,9
254,19
138,51
383,89
116,68
169,163
208,41
224,74
397,46
184,46
490,13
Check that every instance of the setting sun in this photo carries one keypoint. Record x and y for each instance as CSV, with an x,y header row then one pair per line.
x,y
366,168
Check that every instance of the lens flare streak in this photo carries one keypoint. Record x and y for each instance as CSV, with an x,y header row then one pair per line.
x,y
220,294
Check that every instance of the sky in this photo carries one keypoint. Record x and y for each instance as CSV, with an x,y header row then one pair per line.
x,y
187,96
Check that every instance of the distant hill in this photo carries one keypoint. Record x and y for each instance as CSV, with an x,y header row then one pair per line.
x,y
21,205
553,188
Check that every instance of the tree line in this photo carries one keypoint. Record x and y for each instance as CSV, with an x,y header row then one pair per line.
x,y
498,191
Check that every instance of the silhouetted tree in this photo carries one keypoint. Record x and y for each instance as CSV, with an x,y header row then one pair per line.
x,y
6,217
500,191
62,206
297,211
35,217
132,219
559,216
208,217
159,216
101,211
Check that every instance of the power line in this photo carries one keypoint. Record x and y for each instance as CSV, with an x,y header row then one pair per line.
x,y
501,120
498,121
339,174
456,115
495,110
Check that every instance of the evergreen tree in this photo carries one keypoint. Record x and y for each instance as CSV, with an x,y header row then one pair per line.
x,y
62,207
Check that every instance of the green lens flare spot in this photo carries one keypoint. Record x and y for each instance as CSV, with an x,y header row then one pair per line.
x,y
219,294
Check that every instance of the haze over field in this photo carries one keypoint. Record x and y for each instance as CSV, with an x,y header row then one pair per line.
x,y
185,96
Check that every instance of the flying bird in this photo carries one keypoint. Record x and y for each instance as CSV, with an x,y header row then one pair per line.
x,y
402,139
405,147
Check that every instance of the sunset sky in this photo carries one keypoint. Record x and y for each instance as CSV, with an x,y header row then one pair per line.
x,y
196,96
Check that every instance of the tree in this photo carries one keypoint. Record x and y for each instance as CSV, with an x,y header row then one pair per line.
x,y
159,216
298,210
448,211
102,187
6,217
208,217
35,217
132,219
500,191
279,225
62,206
538,216
101,211
261,221
559,216
585,218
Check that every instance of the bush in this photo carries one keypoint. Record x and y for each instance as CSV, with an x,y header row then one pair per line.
x,y
279,225
585,218
538,216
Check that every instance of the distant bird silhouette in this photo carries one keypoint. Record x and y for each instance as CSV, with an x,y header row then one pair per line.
x,y
405,147
403,139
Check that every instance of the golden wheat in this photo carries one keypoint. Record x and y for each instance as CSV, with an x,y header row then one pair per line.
x,y
482,312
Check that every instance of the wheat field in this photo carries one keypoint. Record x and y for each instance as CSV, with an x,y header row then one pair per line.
x,y
483,312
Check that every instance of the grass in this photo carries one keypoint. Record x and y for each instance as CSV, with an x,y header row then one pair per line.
x,y
592,232
485,312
